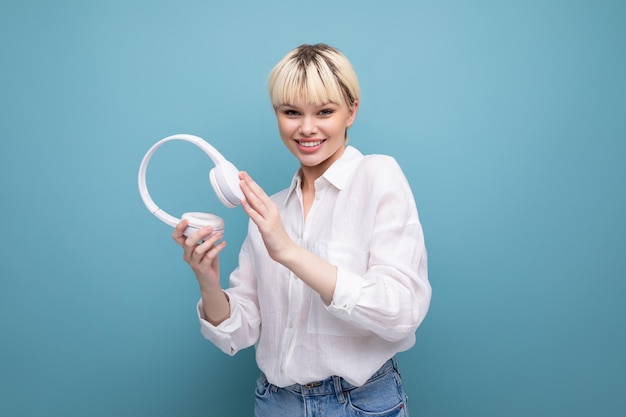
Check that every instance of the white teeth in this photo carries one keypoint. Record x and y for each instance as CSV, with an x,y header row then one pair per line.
x,y
310,144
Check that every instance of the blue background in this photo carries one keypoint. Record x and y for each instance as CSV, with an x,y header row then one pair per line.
x,y
508,117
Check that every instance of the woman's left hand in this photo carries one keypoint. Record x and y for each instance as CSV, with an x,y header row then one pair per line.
x,y
264,213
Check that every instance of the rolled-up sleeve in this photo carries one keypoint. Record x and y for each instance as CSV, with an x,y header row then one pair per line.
x,y
392,295
391,299
241,329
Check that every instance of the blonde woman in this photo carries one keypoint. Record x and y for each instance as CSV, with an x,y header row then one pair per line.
x,y
332,279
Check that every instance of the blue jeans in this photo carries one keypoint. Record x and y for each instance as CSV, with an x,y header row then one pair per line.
x,y
381,395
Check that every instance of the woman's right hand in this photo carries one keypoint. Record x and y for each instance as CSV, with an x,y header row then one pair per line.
x,y
203,258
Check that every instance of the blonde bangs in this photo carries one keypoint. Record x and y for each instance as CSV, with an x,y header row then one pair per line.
x,y
315,84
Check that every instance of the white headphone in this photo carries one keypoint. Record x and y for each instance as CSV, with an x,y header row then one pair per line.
x,y
224,179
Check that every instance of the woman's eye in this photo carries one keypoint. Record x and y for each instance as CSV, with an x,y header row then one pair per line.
x,y
326,112
290,112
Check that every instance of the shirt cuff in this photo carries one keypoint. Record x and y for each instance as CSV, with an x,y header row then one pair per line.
x,y
219,335
346,295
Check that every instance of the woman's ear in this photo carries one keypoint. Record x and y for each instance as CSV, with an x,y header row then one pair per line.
x,y
352,111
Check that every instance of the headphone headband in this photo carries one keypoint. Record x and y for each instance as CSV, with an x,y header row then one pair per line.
x,y
224,178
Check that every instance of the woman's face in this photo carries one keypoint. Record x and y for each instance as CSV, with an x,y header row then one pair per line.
x,y
315,134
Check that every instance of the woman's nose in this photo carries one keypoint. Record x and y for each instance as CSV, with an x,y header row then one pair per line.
x,y
307,127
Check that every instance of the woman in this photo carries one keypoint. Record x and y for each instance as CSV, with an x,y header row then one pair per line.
x,y
332,277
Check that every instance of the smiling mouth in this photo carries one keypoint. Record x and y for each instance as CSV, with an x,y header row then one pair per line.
x,y
310,143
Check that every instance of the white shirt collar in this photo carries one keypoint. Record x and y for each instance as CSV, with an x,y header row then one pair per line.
x,y
337,174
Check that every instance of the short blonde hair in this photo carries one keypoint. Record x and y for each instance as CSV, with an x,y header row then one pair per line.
x,y
315,73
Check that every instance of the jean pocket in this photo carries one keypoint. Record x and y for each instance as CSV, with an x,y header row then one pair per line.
x,y
262,387
382,397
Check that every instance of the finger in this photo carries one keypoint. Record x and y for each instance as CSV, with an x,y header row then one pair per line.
x,y
251,212
254,197
247,191
178,233
198,242
208,250
210,253
198,236
253,186
191,242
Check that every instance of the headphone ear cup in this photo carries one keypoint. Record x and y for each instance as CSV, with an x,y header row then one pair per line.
x,y
218,191
198,221
225,181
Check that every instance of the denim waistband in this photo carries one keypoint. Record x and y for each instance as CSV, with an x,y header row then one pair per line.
x,y
336,384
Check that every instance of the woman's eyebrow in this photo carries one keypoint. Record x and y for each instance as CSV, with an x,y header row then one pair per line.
x,y
317,105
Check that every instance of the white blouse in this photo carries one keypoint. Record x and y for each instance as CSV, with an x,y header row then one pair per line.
x,y
363,221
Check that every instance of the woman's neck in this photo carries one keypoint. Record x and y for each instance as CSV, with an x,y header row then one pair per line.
x,y
312,173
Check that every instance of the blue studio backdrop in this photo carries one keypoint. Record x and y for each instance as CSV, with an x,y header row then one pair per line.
x,y
508,118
